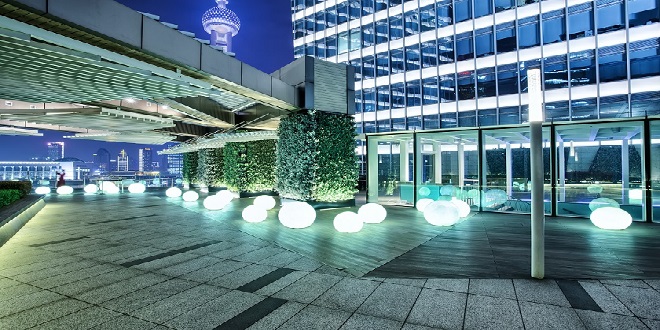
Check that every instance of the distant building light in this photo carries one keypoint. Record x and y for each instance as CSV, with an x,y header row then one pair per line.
x,y
130,100
9,103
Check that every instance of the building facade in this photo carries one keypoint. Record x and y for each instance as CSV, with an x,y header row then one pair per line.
x,y
442,97
145,160
55,150
102,161
122,161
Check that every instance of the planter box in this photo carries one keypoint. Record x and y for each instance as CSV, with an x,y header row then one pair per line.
x,y
259,193
325,205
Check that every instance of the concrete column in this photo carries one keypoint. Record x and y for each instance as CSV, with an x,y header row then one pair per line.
x,y
538,216
461,165
509,170
625,171
562,172
437,163
404,157
372,171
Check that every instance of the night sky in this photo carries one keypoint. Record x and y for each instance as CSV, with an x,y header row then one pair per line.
x,y
265,41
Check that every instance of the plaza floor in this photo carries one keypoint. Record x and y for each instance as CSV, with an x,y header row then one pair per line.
x,y
147,262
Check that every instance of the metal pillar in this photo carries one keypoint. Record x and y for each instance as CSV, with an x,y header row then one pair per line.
x,y
538,220
625,171
562,172
461,165
509,169
404,158
437,163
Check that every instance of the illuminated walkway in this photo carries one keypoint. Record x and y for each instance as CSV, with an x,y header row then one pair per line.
x,y
142,262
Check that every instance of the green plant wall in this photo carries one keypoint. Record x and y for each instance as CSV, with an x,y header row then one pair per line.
x,y
316,157
210,166
250,166
190,161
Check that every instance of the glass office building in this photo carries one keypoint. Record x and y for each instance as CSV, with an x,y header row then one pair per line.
x,y
446,81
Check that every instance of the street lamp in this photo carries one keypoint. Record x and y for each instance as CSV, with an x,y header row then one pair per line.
x,y
536,164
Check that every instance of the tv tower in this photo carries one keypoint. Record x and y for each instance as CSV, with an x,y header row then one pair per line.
x,y
222,23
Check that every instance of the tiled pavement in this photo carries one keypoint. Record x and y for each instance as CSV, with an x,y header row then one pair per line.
x,y
126,262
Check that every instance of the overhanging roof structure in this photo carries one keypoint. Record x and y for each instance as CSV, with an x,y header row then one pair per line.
x,y
219,140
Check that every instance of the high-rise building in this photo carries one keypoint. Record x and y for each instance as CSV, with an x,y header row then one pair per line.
x,y
222,24
122,161
55,150
102,161
424,64
173,165
145,160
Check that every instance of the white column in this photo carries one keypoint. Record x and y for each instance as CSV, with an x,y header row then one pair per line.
x,y
437,163
372,171
404,157
536,164
461,165
509,169
562,172
625,171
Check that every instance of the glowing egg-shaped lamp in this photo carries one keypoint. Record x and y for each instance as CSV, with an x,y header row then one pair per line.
x,y
254,214
173,192
178,181
447,190
348,222
213,203
495,197
602,202
91,189
595,189
225,195
635,196
441,213
463,207
297,215
424,191
190,196
136,188
423,203
65,190
42,191
107,186
112,189
372,213
265,202
611,218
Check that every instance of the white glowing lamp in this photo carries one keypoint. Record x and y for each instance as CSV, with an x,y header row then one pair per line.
x,y
595,189
254,214
91,189
213,203
602,202
635,196
424,191
423,203
535,97
178,181
348,222
297,215
137,188
225,196
65,190
265,202
372,213
462,206
190,196
173,192
108,186
447,190
611,218
441,213
112,189
42,190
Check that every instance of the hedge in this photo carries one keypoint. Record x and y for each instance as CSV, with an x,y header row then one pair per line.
x,y
190,160
316,158
250,166
210,167
8,196
25,187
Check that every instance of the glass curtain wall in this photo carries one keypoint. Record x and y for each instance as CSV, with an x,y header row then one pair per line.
x,y
390,169
655,168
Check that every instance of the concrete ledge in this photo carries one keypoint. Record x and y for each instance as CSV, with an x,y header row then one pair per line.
x,y
10,226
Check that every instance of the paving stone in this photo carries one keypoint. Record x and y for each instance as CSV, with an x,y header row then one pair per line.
x,y
165,261
16,291
281,259
215,312
547,317
242,276
44,313
179,303
347,295
78,287
124,322
366,322
643,303
277,317
407,281
259,254
235,251
315,317
631,283
219,269
305,264
655,284
28,301
410,326
604,321
604,298
540,291
485,312
281,283
62,279
308,288
652,324
448,284
148,295
188,266
82,319
105,293
500,288
439,309
6,283
390,301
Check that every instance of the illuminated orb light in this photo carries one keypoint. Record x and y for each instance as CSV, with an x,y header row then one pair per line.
x,y
297,215
424,191
635,196
473,193
447,190
254,214
423,203
65,190
611,218
463,207
213,203
91,188
178,181
225,196
42,191
495,197
441,213
190,196
111,189
136,188
595,189
372,213
173,192
107,186
265,202
602,202
348,222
